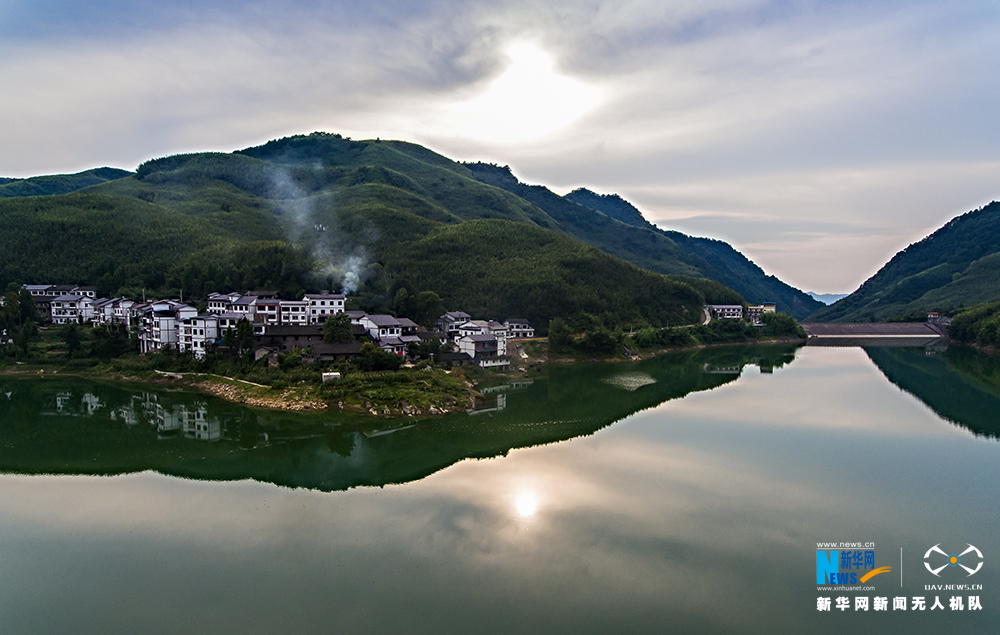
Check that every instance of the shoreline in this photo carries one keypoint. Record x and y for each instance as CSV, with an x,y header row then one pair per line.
x,y
303,399
306,399
646,354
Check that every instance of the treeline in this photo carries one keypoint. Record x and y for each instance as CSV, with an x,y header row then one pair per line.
x,y
123,245
977,325
18,324
588,335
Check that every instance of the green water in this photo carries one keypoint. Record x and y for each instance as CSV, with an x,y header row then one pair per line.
x,y
681,494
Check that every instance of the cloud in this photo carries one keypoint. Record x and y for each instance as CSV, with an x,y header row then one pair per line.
x,y
659,100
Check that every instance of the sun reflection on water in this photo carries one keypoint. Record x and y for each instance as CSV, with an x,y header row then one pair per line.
x,y
526,505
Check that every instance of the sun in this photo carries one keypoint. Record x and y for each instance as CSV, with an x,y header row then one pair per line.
x,y
529,101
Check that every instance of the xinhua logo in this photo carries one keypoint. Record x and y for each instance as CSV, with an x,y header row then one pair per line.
x,y
847,566
938,556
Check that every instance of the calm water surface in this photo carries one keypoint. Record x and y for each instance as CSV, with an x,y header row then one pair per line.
x,y
683,494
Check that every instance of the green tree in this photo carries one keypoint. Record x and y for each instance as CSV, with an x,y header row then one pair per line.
x,y
10,316
244,335
289,360
337,329
599,341
28,311
779,324
429,307
27,335
560,337
229,339
430,349
72,338
374,358
108,342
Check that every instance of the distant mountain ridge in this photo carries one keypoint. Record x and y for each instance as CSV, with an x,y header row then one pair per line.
x,y
59,183
957,265
828,298
635,239
716,259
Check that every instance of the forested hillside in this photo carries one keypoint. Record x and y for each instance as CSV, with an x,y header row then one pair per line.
x,y
384,220
58,183
713,259
958,265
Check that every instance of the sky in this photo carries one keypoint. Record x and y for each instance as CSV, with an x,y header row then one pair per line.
x,y
817,137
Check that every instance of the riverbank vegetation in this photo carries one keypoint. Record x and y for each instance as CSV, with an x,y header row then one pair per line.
x,y
374,382
587,336
978,325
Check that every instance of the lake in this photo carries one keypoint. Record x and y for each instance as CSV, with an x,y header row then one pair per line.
x,y
699,492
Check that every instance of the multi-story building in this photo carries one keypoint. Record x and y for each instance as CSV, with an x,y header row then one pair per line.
x,y
448,323
519,329
323,305
72,308
221,302
380,327
295,312
159,324
725,311
199,334
756,312
485,349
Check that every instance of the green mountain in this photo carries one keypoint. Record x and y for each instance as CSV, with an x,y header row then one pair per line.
x,y
614,225
58,183
958,265
714,259
385,219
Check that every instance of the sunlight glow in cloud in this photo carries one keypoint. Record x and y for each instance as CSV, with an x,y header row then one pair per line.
x,y
817,138
529,101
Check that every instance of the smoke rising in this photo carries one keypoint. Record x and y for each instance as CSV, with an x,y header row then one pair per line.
x,y
312,220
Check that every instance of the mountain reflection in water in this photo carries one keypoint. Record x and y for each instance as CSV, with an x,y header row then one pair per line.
x,y
959,384
76,426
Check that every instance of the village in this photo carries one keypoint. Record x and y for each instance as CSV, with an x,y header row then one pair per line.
x,y
278,325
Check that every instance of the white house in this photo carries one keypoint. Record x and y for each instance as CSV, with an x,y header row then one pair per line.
x,y
37,290
113,311
482,327
725,311
159,324
484,348
221,302
323,305
245,305
266,311
756,312
393,344
72,308
381,326
198,334
104,311
448,323
294,312
120,310
519,329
